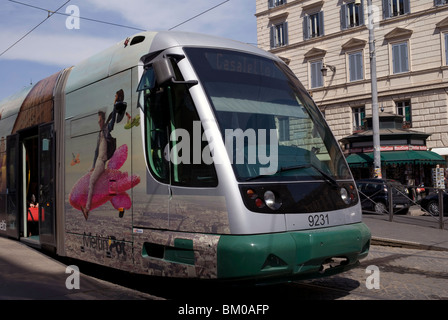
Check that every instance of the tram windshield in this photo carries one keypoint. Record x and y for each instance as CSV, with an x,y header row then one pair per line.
x,y
271,127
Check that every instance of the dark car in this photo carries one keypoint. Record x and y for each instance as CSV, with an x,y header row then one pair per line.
x,y
374,195
431,203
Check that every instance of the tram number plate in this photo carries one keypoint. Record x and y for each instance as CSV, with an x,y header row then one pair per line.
x,y
318,220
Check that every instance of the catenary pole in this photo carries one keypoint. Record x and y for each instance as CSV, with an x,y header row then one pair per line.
x,y
375,117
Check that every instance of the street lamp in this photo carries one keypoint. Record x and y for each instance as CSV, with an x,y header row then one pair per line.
x,y
324,69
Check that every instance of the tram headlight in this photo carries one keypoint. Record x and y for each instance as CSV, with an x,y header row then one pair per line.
x,y
272,201
345,196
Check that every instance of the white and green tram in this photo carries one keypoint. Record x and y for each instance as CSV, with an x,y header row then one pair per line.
x,y
218,166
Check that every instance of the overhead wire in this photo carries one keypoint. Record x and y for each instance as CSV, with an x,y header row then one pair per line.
x,y
50,14
116,24
78,17
200,14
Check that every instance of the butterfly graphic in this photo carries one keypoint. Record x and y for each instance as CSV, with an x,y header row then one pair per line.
x,y
75,160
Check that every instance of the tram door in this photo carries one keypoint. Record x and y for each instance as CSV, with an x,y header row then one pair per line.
x,y
46,168
12,185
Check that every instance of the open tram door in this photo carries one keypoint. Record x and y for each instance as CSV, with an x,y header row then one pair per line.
x,y
30,184
12,190
46,168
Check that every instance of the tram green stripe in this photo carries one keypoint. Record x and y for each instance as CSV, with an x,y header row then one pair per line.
x,y
289,253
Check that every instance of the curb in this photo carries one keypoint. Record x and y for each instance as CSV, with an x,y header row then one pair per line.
x,y
404,244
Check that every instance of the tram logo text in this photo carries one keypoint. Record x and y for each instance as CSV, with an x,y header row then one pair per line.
x,y
109,244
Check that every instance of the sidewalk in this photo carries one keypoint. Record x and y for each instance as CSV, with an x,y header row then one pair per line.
x,y
404,231
27,274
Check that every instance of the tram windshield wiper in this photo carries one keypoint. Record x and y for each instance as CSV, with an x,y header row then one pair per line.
x,y
327,177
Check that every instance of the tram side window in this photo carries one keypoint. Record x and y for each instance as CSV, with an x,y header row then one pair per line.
x,y
171,121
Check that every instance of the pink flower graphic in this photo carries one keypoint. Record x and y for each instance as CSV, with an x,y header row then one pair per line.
x,y
111,186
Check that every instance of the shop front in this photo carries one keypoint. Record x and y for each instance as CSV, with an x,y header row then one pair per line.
x,y
404,154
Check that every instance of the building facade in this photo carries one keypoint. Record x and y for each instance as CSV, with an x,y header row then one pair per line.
x,y
326,44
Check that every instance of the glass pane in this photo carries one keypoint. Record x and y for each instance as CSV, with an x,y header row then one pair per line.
x,y
46,182
171,124
255,101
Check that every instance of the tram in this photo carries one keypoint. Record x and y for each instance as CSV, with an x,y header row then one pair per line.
x,y
179,155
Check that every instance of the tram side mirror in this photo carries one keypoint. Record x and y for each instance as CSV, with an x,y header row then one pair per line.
x,y
164,73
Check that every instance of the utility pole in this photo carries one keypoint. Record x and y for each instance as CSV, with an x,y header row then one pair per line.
x,y
375,117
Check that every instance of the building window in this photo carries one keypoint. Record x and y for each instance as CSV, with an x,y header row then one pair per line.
x,y
446,48
404,109
400,57
317,79
393,8
352,15
313,25
283,129
275,3
355,65
279,35
440,2
358,116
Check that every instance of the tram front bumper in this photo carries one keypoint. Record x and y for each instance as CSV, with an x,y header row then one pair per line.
x,y
295,254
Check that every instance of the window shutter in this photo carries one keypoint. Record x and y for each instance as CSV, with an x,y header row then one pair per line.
x,y
386,9
321,23
355,66
396,58
270,4
306,28
316,74
319,76
446,49
361,13
407,6
272,36
285,33
313,75
352,67
343,17
404,57
360,66
407,116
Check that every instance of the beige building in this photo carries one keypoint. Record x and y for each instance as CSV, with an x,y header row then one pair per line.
x,y
411,39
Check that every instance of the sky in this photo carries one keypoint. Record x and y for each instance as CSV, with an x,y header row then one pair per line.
x,y
60,42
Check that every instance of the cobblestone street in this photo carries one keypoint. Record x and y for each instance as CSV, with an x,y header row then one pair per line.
x,y
404,274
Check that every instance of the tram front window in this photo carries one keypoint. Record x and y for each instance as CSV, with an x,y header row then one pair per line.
x,y
271,127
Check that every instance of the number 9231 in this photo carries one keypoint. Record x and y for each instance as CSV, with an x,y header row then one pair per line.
x,y
318,220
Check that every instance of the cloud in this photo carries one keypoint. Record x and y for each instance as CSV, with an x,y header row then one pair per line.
x,y
54,49
53,44
231,19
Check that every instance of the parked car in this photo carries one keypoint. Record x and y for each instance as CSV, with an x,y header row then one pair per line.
x,y
374,195
431,203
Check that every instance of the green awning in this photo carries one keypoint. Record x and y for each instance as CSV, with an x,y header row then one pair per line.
x,y
396,157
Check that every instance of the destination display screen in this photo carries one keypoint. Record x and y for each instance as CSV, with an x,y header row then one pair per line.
x,y
232,61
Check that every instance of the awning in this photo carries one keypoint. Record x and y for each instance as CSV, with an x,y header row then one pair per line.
x,y
441,151
396,157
